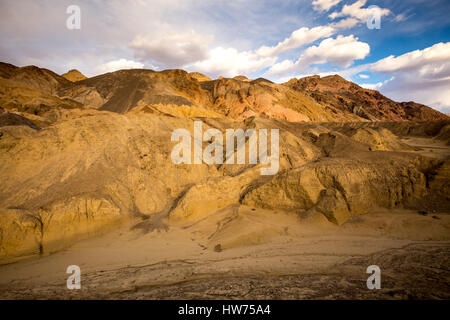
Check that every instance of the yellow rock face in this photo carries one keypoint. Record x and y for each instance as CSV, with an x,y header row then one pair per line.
x,y
43,231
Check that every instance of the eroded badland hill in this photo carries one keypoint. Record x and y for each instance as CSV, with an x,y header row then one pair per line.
x,y
83,156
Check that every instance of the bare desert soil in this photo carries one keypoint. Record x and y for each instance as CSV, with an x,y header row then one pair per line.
x,y
313,259
427,147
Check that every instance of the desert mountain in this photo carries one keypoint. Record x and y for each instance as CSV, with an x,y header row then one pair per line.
x,y
242,78
176,92
81,157
74,75
34,92
33,77
336,93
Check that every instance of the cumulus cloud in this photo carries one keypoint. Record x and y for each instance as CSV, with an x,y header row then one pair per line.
x,y
433,93
420,75
297,39
345,23
376,86
177,49
118,65
357,11
191,51
285,66
341,51
430,61
324,5
364,76
230,62
372,86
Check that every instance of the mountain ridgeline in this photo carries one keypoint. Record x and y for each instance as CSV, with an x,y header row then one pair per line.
x,y
38,91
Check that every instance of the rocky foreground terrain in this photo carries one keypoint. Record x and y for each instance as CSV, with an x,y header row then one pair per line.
x,y
82,158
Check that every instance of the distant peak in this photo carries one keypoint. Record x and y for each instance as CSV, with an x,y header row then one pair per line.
x,y
241,78
199,76
74,75
335,77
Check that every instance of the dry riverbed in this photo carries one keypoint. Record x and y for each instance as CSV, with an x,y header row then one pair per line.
x,y
267,257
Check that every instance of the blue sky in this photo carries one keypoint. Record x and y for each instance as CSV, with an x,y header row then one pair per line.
x,y
408,58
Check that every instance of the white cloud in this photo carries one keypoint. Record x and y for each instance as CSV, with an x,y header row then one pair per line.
x,y
433,93
420,75
376,86
324,5
191,51
364,76
432,61
298,38
357,11
346,23
341,51
176,49
230,62
118,65
282,67
350,72
372,86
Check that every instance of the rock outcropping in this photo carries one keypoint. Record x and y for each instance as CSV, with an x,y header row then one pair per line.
x,y
74,75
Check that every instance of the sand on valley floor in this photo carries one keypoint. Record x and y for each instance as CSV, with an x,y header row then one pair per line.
x,y
432,148
264,255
